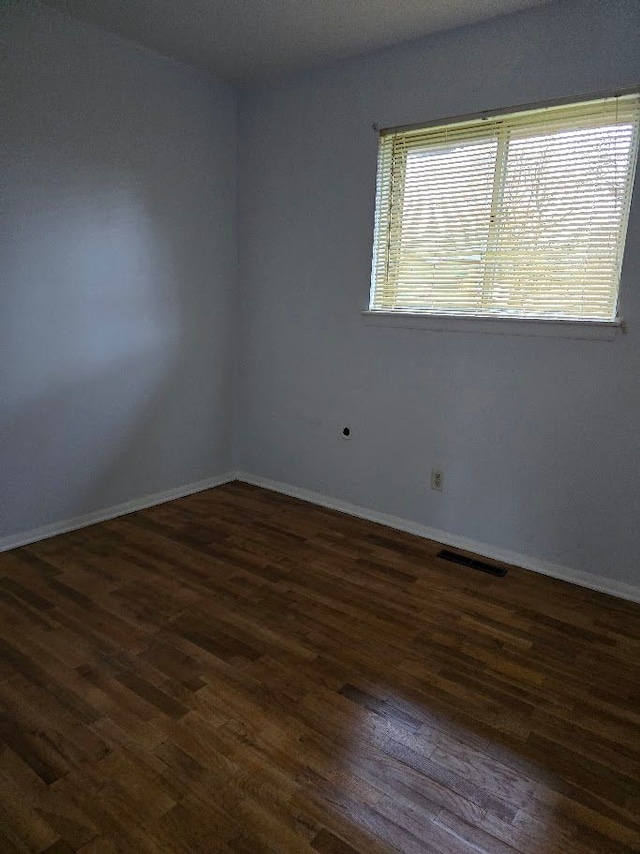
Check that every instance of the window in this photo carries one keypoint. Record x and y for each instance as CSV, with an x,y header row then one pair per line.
x,y
519,215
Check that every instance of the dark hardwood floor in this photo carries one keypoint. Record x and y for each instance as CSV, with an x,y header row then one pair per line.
x,y
240,671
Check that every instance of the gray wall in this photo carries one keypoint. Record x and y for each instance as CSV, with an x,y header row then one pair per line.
x,y
118,271
540,438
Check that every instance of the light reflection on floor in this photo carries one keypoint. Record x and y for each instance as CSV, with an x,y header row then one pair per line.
x,y
447,781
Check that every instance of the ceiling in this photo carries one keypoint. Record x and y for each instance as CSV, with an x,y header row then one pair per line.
x,y
246,41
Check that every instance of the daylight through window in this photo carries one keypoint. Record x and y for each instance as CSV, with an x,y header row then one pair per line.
x,y
518,215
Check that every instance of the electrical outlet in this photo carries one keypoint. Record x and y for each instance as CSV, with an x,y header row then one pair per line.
x,y
437,480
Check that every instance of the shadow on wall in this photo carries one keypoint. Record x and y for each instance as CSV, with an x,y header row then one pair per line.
x,y
93,329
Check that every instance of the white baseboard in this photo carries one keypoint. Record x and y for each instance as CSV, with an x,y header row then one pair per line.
x,y
14,541
564,573
555,570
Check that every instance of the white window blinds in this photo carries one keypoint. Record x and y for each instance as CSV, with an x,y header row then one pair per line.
x,y
519,215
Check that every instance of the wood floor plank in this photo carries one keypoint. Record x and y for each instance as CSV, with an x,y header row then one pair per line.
x,y
239,671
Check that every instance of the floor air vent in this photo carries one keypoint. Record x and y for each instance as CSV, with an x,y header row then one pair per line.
x,y
472,563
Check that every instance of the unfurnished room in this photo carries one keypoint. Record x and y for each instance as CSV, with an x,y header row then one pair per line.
x,y
319,426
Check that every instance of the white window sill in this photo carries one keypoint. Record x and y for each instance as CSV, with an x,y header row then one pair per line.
x,y
603,330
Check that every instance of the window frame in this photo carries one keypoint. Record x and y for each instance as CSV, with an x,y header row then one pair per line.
x,y
504,324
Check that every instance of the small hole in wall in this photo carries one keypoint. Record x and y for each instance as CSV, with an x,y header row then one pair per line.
x,y
346,432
